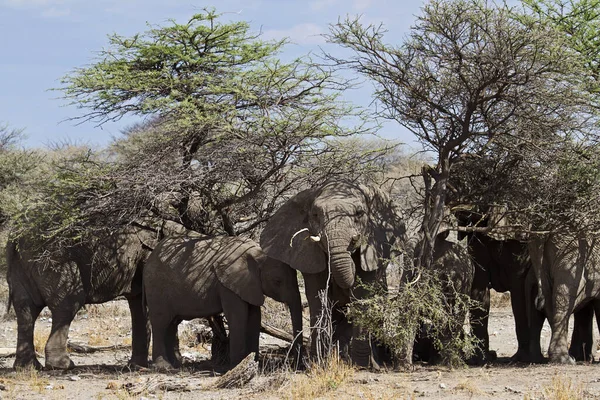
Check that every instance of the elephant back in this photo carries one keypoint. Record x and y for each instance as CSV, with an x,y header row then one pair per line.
x,y
232,260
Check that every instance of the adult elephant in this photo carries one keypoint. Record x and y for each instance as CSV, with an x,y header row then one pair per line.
x,y
336,234
567,271
90,272
501,265
188,278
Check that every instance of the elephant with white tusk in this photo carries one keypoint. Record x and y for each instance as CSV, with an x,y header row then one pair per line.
x,y
336,234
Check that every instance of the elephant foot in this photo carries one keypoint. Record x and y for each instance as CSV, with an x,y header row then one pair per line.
x,y
562,358
27,362
161,364
522,356
63,362
138,362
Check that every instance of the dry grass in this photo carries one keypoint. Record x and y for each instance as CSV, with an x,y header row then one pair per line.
x,y
468,386
31,378
562,388
318,380
115,308
40,337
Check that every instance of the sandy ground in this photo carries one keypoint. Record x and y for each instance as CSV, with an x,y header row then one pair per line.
x,y
103,376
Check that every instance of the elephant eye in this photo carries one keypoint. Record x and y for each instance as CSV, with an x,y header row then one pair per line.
x,y
360,212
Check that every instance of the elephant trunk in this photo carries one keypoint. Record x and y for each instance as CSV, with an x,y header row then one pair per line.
x,y
342,265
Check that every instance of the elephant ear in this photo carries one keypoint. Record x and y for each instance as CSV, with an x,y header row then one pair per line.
x,y
280,238
237,269
385,229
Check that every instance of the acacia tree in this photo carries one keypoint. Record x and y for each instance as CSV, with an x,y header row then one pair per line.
x,y
228,129
469,76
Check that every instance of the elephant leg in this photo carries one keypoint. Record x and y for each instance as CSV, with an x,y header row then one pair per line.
x,y
313,284
517,302
27,313
237,313
479,317
582,337
140,332
220,342
253,336
558,350
172,344
160,329
56,347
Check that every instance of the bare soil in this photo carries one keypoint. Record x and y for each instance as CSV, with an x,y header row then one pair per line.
x,y
102,375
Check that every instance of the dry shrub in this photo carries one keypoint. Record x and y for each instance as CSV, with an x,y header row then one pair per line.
x,y
110,309
276,314
431,301
319,379
562,388
499,300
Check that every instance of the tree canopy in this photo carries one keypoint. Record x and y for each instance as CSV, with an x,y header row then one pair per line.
x,y
471,78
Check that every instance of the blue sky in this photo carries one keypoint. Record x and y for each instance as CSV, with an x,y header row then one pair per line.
x,y
42,40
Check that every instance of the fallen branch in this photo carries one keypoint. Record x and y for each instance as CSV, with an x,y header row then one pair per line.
x,y
280,334
153,384
85,349
240,375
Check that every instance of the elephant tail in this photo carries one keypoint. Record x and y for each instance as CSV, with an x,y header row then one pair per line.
x,y
11,258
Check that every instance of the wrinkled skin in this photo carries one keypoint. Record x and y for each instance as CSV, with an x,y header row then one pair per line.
x,y
501,265
581,348
89,273
336,234
451,259
188,278
566,278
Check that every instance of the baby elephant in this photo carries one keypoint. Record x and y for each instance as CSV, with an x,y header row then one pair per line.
x,y
188,278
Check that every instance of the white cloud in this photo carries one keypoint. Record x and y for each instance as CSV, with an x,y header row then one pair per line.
x,y
307,33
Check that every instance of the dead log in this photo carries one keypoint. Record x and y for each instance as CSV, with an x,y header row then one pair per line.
x,y
6,352
240,375
280,334
85,349
153,384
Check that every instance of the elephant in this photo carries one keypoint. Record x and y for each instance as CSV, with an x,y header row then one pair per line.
x,y
192,277
582,340
501,265
87,273
336,234
566,271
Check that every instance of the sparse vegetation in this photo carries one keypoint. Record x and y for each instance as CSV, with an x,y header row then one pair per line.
x,y
320,379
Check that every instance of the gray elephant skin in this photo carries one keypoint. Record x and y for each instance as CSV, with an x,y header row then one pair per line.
x,y
187,278
88,273
342,227
567,271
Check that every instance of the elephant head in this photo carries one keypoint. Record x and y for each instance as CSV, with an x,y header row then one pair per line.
x,y
341,225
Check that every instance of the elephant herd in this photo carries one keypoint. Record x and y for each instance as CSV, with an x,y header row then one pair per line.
x,y
335,235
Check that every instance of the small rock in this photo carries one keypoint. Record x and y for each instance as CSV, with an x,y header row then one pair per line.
x,y
49,387
2,386
74,378
443,386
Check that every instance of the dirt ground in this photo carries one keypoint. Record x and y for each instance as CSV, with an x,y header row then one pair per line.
x,y
102,375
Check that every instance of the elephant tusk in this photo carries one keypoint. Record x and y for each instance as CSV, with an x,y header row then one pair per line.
x,y
296,234
315,238
415,281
